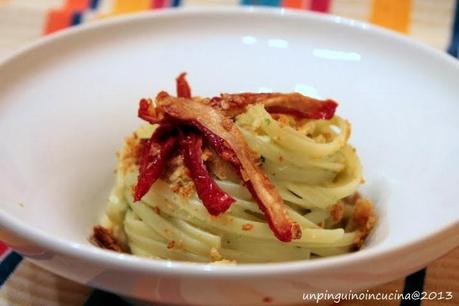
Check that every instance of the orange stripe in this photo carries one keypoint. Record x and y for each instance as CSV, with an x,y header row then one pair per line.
x,y
392,14
293,3
57,20
76,5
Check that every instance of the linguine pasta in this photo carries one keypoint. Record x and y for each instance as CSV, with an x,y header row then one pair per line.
x,y
310,163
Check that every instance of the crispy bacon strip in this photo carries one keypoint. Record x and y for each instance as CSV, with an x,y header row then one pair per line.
x,y
183,88
147,112
229,143
293,104
153,158
213,197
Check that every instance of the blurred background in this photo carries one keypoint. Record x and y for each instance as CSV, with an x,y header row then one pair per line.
x,y
429,21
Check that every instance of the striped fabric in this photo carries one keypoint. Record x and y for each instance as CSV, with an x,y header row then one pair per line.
x,y
430,21
8,262
453,48
434,22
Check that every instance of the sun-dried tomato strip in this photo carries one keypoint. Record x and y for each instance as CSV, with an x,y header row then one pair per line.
x,y
325,110
229,143
183,88
153,158
293,104
212,196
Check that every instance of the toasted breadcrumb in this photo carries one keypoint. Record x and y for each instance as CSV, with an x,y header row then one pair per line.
x,y
176,168
247,227
178,177
129,155
337,212
184,188
284,120
363,219
328,136
104,238
171,244
225,261
363,215
215,255
206,154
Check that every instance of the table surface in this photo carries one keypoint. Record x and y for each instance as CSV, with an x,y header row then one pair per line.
x,y
24,21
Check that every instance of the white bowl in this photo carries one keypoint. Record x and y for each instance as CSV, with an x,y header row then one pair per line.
x,y
67,102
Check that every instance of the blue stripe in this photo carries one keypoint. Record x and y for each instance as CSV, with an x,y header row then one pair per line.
x,y
454,45
94,4
8,265
176,3
269,2
76,18
413,282
99,298
248,2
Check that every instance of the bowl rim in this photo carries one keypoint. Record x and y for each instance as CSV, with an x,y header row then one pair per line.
x,y
135,263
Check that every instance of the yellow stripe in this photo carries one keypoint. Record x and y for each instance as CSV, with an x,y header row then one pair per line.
x,y
392,14
129,6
